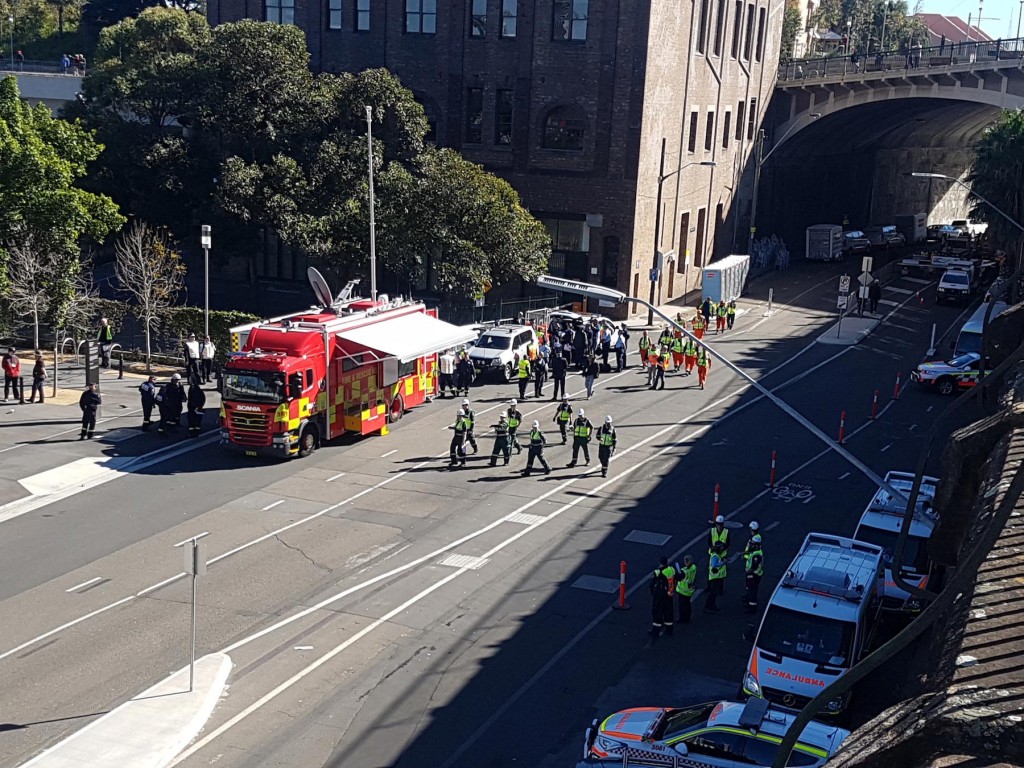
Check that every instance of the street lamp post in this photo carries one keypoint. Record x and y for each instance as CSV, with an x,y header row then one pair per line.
x,y
373,221
10,28
1019,12
885,19
206,240
655,265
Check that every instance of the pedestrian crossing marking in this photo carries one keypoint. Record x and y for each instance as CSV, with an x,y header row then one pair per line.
x,y
917,280
465,561
899,290
889,303
648,537
524,519
597,584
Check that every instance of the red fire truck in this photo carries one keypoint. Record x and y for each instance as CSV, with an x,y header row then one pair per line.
x,y
349,365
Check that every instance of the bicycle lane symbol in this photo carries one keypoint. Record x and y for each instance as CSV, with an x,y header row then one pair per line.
x,y
794,492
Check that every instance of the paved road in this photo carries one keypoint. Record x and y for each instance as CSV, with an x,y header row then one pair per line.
x,y
381,610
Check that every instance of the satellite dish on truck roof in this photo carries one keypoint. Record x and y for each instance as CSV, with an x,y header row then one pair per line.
x,y
320,287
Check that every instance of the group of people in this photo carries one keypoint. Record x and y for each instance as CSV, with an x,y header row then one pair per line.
x,y
73,64
679,582
13,377
170,401
507,437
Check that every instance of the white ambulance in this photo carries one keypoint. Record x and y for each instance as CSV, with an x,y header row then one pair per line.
x,y
880,524
819,622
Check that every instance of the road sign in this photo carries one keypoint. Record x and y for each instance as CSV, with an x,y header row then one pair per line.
x,y
863,291
865,278
865,264
654,275
844,284
841,304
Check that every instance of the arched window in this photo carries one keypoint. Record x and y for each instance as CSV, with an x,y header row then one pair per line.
x,y
564,128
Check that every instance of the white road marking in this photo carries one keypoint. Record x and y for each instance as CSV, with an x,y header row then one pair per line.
x,y
464,561
524,519
601,584
84,584
844,475
330,479
648,537
899,290
772,526
887,447
918,280
69,431
930,408
912,427
889,303
385,455
271,506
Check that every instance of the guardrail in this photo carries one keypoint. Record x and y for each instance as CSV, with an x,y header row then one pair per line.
x,y
8,67
945,55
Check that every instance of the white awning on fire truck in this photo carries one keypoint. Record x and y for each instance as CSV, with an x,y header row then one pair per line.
x,y
410,336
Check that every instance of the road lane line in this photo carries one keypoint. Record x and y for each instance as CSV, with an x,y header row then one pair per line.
x,y
84,584
69,431
844,475
887,447
772,526
277,503
66,625
385,455
330,479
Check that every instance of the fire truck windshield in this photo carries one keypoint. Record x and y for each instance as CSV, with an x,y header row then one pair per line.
x,y
254,387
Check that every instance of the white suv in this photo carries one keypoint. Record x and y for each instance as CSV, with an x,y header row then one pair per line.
x,y
498,349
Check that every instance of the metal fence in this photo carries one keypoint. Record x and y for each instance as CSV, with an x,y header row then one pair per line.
x,y
945,55
9,66
494,312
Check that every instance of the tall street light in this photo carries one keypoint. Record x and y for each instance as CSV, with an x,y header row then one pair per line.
x,y
10,27
656,265
206,240
373,221
760,161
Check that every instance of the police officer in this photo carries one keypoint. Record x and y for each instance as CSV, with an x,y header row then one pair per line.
x,y
471,422
662,588
718,538
716,582
753,567
502,441
463,374
147,390
563,415
686,585
605,444
89,402
536,451
581,429
196,403
524,376
540,375
559,366
457,448
515,418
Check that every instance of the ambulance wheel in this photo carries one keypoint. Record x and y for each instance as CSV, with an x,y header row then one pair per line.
x,y
397,409
308,440
946,385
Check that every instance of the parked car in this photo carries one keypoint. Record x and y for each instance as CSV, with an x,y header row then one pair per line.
x,y
855,241
942,231
497,350
885,237
971,227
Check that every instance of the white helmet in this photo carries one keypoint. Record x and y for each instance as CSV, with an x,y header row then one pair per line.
x,y
581,413
536,424
608,419
719,519
753,525
465,401
513,402
459,412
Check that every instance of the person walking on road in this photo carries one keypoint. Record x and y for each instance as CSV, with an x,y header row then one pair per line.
x,y
664,360
653,364
874,296
12,375
707,308
540,375
716,582
523,367
581,431
720,314
196,402
686,585
89,402
662,588
457,447
446,368
148,393
563,415
699,324
620,350
470,423
591,370
753,567
514,419
502,442
665,339
463,374
703,365
536,451
38,379
605,444
644,344
559,367
677,354
207,349
689,355
730,314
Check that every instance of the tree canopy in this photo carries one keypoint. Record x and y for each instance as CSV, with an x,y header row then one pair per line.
x,y
866,20
997,174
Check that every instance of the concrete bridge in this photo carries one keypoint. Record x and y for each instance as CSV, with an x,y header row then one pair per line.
x,y
41,83
842,133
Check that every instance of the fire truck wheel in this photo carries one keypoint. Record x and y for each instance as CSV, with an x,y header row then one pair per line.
x,y
308,440
397,409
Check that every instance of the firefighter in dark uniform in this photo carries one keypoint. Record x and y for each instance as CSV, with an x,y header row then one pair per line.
x,y
662,588
515,418
686,585
457,448
502,441
463,374
471,422
536,450
753,566
170,400
563,415
605,444
148,390
581,429
89,402
196,403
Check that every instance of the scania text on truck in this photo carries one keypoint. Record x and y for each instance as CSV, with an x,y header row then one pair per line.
x,y
818,623
349,365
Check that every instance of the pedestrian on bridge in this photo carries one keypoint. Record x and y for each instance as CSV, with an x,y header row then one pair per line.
x,y
699,323
689,355
730,314
721,311
645,344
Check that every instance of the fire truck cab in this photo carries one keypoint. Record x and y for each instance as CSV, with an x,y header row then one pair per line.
x,y
350,365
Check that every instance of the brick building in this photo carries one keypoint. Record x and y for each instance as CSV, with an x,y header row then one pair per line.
x,y
570,100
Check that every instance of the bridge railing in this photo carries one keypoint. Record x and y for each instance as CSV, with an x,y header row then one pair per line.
x,y
8,67
916,58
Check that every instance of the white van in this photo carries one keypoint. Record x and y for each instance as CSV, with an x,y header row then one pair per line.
x,y
880,524
819,622
969,339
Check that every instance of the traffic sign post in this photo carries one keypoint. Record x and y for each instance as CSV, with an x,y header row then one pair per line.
x,y
841,304
195,564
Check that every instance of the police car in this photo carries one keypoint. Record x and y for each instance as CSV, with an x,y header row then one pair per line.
x,y
725,734
951,376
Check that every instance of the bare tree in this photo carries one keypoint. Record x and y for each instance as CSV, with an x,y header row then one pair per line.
x,y
35,277
151,271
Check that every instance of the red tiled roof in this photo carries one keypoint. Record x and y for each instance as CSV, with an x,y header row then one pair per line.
x,y
953,28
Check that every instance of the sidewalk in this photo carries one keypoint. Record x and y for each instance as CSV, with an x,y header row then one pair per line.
x,y
149,730
850,330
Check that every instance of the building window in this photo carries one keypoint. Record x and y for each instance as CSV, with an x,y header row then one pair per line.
x,y
719,27
726,127
683,256
610,262
709,132
280,11
737,21
568,234
420,16
477,18
752,120
691,139
362,15
759,51
334,14
702,26
564,129
740,109
509,17
749,37
569,20
702,222
503,106
474,115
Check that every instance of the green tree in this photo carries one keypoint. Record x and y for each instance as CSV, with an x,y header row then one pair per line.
x,y
998,175
790,29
